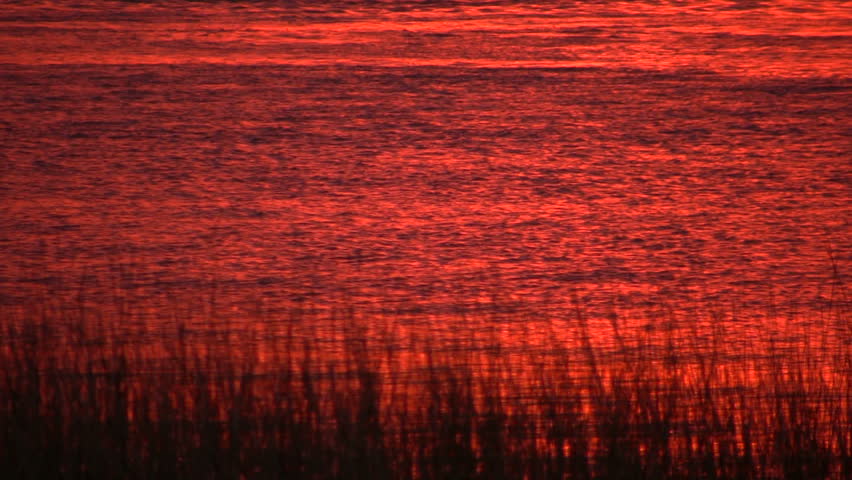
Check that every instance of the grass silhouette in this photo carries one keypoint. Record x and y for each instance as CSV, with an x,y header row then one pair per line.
x,y
360,397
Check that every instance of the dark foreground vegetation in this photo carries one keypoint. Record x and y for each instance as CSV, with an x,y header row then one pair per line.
x,y
355,397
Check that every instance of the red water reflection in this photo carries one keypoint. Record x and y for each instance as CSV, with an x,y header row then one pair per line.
x,y
778,39
621,202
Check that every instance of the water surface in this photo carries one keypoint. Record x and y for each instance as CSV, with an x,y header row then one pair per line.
x,y
426,159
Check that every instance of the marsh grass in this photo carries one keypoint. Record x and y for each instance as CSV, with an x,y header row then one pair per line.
x,y
353,396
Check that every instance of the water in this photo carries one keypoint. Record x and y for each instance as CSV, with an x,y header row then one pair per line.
x,y
439,238
406,157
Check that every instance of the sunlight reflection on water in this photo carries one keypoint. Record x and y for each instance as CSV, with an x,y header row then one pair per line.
x,y
428,160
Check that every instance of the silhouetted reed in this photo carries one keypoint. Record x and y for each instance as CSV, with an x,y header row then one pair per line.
x,y
354,396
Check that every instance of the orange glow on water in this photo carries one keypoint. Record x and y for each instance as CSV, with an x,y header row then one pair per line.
x,y
549,212
636,34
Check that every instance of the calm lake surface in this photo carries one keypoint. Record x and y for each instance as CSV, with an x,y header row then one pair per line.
x,y
425,239
426,160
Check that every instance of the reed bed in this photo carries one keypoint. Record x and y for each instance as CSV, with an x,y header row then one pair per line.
x,y
378,397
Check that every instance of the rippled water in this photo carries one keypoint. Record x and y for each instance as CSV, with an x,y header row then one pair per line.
x,y
435,159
